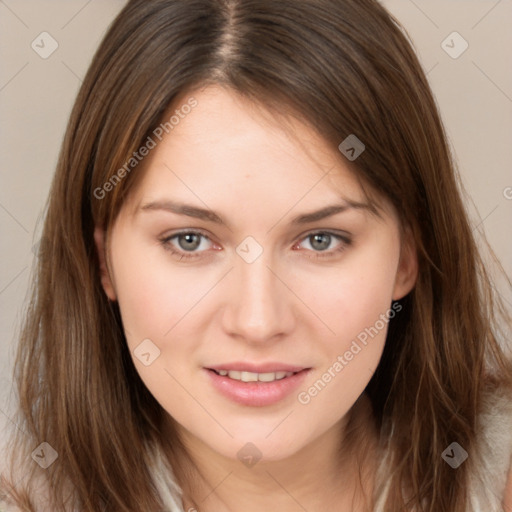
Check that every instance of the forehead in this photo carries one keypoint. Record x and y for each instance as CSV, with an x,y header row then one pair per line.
x,y
225,126
229,149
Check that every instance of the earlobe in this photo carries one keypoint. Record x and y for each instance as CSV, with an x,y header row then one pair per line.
x,y
106,280
407,272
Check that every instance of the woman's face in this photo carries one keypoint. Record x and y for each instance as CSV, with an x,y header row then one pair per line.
x,y
295,302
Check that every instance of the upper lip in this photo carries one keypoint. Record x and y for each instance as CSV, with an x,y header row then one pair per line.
x,y
258,368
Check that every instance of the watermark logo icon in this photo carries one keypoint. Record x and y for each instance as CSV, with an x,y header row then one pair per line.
x,y
454,455
249,250
146,352
351,147
44,45
44,455
454,45
249,455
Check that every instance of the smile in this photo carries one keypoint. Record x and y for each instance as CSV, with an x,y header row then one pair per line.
x,y
253,377
256,388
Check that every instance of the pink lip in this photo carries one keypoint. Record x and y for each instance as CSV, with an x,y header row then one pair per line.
x,y
257,368
256,394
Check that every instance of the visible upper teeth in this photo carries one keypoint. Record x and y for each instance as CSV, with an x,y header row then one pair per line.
x,y
254,377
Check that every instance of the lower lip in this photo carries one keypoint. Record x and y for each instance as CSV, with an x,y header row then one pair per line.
x,y
257,394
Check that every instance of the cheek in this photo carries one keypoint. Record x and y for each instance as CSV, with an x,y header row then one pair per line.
x,y
351,296
356,305
156,298
154,294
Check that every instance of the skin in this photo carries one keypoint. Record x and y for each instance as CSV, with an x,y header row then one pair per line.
x,y
289,305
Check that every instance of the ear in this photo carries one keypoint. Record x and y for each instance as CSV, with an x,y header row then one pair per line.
x,y
106,280
407,272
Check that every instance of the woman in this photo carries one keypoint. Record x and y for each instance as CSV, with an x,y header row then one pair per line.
x,y
257,285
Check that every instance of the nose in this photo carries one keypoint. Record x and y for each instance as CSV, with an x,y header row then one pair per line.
x,y
261,305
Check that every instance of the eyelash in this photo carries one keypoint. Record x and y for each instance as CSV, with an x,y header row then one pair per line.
x,y
166,242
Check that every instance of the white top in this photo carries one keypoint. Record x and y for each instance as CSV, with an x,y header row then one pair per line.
x,y
489,463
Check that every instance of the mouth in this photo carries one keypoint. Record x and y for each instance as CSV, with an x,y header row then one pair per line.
x,y
245,376
258,386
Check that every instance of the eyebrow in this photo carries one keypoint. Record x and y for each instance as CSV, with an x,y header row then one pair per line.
x,y
211,216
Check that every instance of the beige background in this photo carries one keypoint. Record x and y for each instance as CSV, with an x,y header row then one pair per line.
x,y
474,93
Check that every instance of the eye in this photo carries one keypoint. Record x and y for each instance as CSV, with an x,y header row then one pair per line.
x,y
186,244
321,241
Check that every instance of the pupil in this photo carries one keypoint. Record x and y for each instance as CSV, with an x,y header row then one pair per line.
x,y
190,238
323,240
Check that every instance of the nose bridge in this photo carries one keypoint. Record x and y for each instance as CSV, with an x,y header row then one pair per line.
x,y
260,306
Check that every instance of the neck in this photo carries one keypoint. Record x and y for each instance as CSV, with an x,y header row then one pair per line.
x,y
333,472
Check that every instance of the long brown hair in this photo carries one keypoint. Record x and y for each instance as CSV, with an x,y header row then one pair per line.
x,y
344,67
